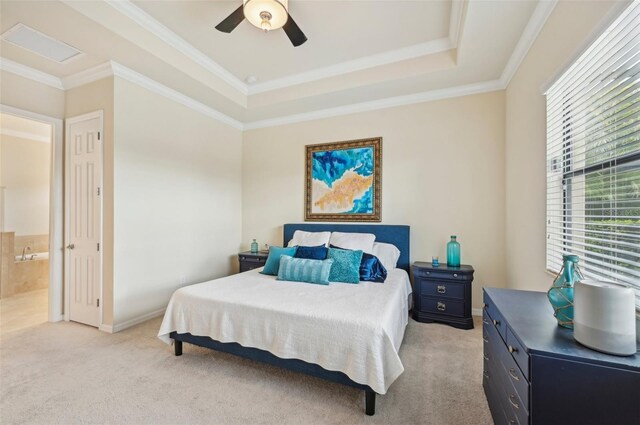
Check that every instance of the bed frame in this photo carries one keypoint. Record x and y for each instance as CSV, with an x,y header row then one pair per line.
x,y
393,234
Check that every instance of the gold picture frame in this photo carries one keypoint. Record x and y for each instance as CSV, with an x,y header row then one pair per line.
x,y
343,181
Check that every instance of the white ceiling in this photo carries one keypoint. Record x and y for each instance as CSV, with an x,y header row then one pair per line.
x,y
358,53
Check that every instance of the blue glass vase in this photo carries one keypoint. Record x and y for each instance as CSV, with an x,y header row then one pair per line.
x,y
561,292
254,247
453,252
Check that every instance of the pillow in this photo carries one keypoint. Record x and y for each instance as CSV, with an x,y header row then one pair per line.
x,y
346,265
302,238
272,264
371,268
387,253
354,241
304,270
312,252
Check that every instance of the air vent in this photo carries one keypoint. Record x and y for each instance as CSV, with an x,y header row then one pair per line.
x,y
30,39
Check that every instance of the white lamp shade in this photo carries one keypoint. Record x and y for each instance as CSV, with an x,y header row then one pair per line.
x,y
277,9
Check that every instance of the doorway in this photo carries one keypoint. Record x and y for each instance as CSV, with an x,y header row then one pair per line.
x,y
30,219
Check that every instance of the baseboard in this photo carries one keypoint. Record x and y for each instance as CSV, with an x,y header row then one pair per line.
x,y
476,312
58,318
106,328
136,320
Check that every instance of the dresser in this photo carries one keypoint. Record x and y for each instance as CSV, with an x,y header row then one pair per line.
x,y
249,260
536,373
442,294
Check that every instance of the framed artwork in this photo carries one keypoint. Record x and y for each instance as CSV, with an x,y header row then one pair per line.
x,y
343,181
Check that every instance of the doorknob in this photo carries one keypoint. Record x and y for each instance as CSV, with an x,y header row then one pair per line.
x,y
71,246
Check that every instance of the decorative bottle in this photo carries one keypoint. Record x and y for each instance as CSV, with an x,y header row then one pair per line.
x,y
254,247
453,252
561,292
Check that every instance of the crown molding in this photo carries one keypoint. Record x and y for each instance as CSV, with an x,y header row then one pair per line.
x,y
534,26
30,73
367,62
455,22
390,102
87,76
24,135
149,23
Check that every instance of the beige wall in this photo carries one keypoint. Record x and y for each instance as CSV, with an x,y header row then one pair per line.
x,y
29,95
567,30
24,172
442,174
82,100
177,215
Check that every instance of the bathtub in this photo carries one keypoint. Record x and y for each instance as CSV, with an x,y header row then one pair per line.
x,y
33,256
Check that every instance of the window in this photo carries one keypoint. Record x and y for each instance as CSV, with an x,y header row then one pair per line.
x,y
593,157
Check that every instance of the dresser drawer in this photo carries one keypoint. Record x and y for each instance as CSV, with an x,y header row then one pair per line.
x,y
442,306
442,289
515,380
495,317
518,353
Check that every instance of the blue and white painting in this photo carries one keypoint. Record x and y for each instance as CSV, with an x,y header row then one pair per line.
x,y
343,181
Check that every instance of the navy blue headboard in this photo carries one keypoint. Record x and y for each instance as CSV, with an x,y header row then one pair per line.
x,y
397,235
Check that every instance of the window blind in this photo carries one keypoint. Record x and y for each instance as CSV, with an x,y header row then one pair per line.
x,y
593,157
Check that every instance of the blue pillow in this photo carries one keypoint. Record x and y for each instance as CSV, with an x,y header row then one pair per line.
x,y
312,252
272,264
346,265
304,270
371,268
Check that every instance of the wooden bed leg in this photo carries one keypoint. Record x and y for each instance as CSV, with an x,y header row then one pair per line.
x,y
370,402
177,346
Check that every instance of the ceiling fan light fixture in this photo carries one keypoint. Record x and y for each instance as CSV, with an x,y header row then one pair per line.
x,y
266,14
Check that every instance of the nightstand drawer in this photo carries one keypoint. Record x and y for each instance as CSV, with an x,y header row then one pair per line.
x,y
442,306
442,274
442,289
252,259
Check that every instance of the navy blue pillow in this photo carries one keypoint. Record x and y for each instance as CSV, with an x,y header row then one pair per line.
x,y
371,268
312,252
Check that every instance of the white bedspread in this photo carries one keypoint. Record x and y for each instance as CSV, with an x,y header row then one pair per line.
x,y
355,329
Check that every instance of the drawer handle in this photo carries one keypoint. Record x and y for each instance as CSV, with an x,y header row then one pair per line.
x,y
485,305
513,403
512,422
455,275
513,349
512,373
486,375
428,272
485,339
496,322
485,321
485,356
442,289
442,306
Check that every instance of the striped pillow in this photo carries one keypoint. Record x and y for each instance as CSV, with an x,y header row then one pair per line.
x,y
304,270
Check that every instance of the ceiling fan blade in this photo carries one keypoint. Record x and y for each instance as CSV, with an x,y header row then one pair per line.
x,y
294,32
231,21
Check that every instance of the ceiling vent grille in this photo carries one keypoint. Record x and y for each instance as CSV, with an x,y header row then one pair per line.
x,y
30,39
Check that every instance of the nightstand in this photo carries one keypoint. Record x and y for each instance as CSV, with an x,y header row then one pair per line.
x,y
442,294
250,261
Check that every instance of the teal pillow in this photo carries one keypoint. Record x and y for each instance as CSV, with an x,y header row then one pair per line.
x,y
346,265
272,264
304,270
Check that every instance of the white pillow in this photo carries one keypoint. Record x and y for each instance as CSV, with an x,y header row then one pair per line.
x,y
387,253
355,241
302,238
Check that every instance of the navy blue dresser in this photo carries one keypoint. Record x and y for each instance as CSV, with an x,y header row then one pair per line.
x,y
536,373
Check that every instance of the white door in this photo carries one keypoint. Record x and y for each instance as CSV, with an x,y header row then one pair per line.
x,y
83,206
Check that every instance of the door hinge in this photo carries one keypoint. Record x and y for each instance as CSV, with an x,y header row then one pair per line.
x,y
98,135
98,246
98,301
98,191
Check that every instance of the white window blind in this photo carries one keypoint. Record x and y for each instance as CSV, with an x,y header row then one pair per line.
x,y
593,157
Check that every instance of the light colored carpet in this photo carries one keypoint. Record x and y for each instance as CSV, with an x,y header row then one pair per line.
x,y
67,373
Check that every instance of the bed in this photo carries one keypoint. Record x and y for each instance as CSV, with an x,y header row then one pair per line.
x,y
349,334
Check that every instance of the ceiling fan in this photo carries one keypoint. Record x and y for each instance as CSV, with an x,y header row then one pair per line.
x,y
267,15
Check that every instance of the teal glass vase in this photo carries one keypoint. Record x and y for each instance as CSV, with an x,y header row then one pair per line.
x,y
561,292
254,247
453,252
